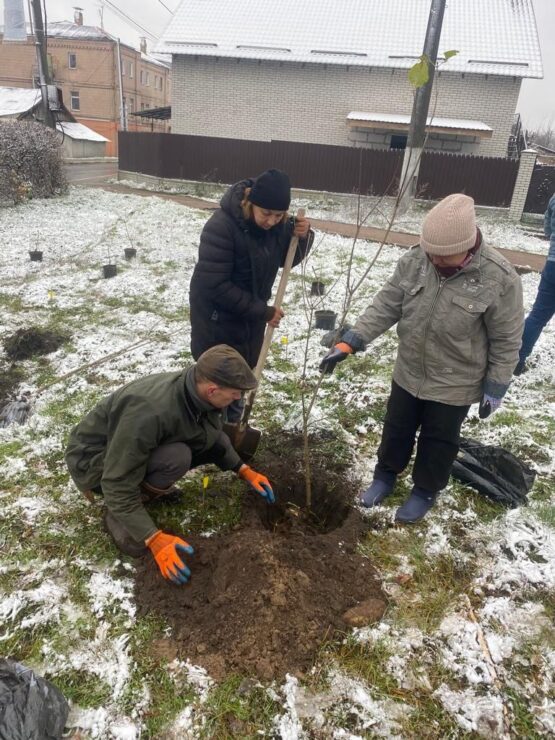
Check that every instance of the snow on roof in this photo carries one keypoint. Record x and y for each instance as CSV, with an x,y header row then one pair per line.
x,y
154,60
79,131
497,37
17,100
455,123
69,30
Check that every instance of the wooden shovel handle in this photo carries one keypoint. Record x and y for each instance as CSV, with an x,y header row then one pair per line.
x,y
268,334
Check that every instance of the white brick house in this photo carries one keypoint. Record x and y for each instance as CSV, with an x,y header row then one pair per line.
x,y
335,71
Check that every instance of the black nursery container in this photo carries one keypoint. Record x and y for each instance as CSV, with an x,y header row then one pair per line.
x,y
35,255
110,271
129,253
325,319
317,288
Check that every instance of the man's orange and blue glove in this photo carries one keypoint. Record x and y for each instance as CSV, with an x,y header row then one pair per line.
x,y
259,482
337,354
168,552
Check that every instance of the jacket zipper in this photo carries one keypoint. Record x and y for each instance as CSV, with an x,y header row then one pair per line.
x,y
442,282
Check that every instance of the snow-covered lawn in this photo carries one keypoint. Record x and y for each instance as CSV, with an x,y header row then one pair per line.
x,y
467,646
376,211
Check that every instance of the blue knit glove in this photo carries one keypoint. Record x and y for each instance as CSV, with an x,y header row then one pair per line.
x,y
488,405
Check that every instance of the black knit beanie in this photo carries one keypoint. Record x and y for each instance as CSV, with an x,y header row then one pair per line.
x,y
271,190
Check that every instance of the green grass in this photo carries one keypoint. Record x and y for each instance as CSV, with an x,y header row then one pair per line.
x,y
237,707
83,688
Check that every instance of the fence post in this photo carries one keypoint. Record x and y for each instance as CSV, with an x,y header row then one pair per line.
x,y
522,184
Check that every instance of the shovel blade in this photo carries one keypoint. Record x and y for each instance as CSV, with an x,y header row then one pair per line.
x,y
245,440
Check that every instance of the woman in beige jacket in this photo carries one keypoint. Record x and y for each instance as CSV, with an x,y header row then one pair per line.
x,y
457,304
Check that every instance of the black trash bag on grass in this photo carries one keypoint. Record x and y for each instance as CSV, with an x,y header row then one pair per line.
x,y
494,472
31,708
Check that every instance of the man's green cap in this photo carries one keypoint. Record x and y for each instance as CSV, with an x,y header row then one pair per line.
x,y
225,366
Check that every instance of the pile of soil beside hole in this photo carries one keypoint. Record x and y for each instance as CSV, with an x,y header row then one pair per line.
x,y
265,596
26,343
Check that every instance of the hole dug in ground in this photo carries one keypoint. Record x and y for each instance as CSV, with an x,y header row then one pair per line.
x,y
265,596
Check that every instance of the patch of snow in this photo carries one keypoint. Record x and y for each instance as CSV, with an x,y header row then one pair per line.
x,y
473,712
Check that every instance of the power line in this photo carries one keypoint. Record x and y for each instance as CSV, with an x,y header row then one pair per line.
x,y
124,15
165,6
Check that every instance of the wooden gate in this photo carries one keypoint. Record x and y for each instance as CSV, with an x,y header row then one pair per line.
x,y
542,187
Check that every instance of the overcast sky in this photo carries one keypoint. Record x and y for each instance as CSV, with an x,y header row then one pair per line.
x,y
537,99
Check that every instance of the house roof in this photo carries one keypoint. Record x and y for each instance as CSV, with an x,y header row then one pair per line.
x,y
69,30
496,37
79,131
17,100
433,123
154,60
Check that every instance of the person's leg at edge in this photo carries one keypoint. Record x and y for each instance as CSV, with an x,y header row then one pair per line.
x,y
542,312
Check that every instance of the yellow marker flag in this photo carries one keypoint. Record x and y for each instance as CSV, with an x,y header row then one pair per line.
x,y
284,340
205,482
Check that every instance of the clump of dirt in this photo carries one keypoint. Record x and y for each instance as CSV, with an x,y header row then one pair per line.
x,y
265,596
27,343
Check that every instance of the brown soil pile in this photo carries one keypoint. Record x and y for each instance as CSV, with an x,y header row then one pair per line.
x,y
264,597
26,343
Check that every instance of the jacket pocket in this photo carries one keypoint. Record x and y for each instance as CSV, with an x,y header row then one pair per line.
x,y
464,316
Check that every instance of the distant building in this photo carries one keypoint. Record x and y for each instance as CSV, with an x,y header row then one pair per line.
x,y
83,63
328,72
78,140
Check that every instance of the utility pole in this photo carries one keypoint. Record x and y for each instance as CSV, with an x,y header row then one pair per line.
x,y
420,107
42,62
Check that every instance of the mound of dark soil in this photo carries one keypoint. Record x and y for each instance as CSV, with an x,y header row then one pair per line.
x,y
26,343
264,597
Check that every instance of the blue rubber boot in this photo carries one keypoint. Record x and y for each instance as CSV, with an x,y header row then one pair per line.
x,y
378,490
416,506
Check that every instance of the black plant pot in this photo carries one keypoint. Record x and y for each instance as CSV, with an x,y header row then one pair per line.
x,y
110,270
130,252
325,319
35,255
317,288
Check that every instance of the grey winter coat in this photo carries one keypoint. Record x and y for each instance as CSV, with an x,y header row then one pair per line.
x,y
459,336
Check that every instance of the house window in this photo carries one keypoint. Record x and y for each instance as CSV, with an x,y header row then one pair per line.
x,y
142,106
398,141
131,70
72,60
148,78
122,69
131,104
75,103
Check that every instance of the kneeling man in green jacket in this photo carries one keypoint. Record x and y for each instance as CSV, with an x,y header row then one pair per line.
x,y
457,304
134,444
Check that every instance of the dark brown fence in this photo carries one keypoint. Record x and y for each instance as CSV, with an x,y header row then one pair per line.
x,y
542,187
490,181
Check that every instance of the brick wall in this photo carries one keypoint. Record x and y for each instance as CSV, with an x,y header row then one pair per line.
x,y
95,77
295,102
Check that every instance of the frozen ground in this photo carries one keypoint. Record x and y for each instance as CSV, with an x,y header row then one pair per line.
x,y
467,647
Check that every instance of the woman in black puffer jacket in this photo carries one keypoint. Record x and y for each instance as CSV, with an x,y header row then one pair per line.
x,y
242,247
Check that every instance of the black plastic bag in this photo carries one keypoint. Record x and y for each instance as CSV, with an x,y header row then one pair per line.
x,y
493,471
31,708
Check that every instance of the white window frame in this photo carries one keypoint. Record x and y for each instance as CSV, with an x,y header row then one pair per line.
x,y
71,54
74,95
131,70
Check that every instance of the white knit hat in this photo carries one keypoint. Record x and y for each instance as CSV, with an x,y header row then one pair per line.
x,y
450,227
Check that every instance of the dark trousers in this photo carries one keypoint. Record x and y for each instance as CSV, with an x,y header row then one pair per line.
x,y
542,310
168,463
438,442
